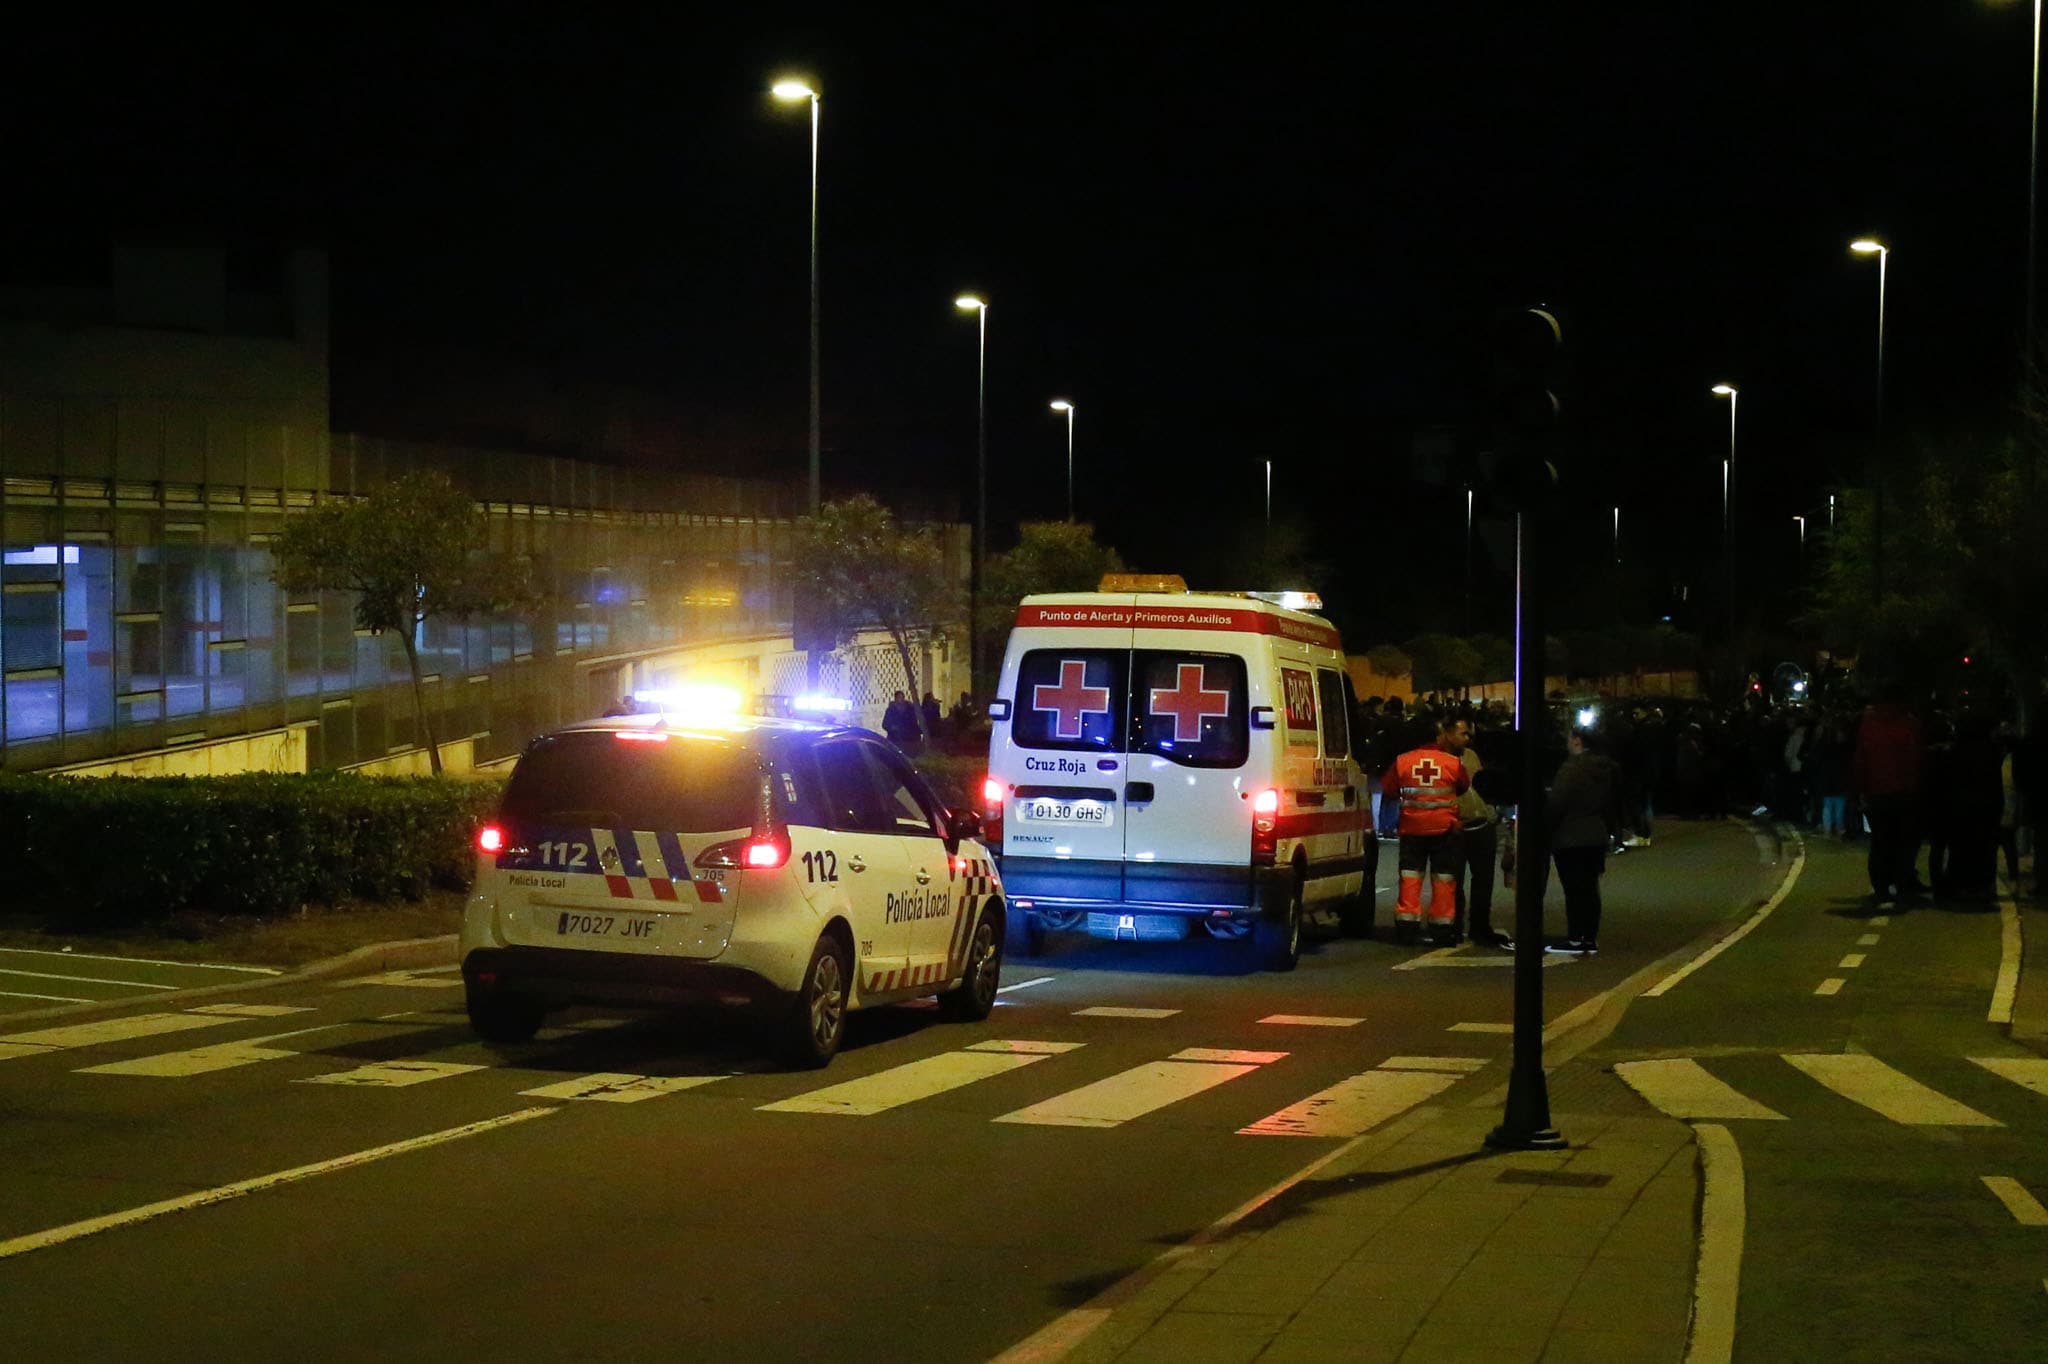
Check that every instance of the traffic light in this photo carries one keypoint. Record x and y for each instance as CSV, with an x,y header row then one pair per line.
x,y
1527,344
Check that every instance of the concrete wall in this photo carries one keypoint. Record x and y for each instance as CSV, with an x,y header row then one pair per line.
x,y
271,750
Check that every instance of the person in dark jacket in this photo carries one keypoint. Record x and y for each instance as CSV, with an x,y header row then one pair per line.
x,y
899,722
1584,811
1884,776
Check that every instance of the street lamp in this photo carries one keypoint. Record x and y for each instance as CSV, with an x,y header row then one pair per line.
x,y
1865,246
1062,405
1617,535
979,307
790,92
1732,394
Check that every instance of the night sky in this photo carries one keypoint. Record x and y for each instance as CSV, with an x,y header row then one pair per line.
x,y
1227,236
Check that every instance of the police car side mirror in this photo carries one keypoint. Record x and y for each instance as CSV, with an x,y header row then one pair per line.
x,y
962,824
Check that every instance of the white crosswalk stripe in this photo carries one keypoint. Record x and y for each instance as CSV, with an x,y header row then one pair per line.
x,y
922,1079
1891,1093
617,1088
1354,1106
1133,1093
133,1026
1683,1088
204,1060
393,1074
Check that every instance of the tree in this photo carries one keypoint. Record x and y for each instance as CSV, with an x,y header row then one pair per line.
x,y
1050,556
414,550
864,568
1387,660
1443,662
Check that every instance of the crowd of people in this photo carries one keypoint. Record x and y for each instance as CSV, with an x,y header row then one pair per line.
x,y
1958,778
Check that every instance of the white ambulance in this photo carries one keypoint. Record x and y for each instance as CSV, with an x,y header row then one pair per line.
x,y
1161,758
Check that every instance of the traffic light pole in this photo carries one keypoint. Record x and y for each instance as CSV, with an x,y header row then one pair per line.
x,y
1525,1124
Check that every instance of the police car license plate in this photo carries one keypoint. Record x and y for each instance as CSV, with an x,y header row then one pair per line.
x,y
1045,810
573,924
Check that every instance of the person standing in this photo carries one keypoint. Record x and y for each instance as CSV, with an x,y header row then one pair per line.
x,y
1478,842
1583,811
1884,776
928,711
899,722
1428,779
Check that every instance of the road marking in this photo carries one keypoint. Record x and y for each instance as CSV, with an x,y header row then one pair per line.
x,y
1311,1021
1459,1065
1867,940
899,1085
106,1030
1255,1058
86,980
1831,986
252,1010
1029,1048
2024,1207
414,977
1025,984
1880,921
1131,1094
1717,1282
392,1074
1354,1106
1482,1027
1110,1011
1851,961
2028,1071
1870,1082
1454,956
609,1087
141,961
204,1060
1683,1088
1749,925
61,999
2008,984
72,1231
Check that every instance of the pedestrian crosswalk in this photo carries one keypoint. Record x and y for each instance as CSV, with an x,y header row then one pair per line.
x,y
1102,1083
1736,1088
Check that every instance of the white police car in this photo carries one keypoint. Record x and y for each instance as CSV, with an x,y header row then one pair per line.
x,y
802,870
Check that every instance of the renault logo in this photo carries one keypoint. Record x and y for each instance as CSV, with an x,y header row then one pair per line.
x,y
610,857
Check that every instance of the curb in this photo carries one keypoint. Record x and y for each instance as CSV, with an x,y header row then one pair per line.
x,y
404,954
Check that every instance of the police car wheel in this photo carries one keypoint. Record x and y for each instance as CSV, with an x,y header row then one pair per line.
x,y
817,1017
499,1017
975,996
1278,940
1023,935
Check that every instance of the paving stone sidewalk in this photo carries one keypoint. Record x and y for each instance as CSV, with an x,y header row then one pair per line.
x,y
1426,1246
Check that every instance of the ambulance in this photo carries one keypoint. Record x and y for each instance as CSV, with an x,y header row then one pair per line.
x,y
1163,762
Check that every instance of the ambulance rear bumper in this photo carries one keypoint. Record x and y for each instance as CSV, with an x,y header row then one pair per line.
x,y
1191,889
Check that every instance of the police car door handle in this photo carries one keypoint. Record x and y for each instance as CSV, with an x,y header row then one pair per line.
x,y
923,877
854,863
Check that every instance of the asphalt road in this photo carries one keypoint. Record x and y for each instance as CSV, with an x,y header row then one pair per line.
x,y
1870,1096
34,979
933,1195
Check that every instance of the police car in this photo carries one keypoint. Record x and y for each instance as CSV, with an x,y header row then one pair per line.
x,y
798,869
1161,759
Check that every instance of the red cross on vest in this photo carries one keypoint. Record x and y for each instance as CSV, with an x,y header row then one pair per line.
x,y
1427,772
1072,701
1188,703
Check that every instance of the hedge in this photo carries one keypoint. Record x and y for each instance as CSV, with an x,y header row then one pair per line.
x,y
141,847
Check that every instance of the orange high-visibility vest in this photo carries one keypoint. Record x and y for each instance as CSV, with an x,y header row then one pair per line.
x,y
1429,782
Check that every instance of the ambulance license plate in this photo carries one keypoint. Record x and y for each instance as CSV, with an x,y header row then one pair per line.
x,y
572,924
1045,810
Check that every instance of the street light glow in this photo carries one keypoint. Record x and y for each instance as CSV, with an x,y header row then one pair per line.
x,y
1725,390
1864,246
1062,405
968,303
791,91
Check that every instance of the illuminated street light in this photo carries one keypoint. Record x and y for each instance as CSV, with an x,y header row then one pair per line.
x,y
977,305
1062,405
1731,393
1865,246
789,92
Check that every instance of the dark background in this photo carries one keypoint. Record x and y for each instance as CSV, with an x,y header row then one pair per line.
x,y
1227,234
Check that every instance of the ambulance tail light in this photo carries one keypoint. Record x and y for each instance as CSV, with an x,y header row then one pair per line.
x,y
993,797
992,794
1265,827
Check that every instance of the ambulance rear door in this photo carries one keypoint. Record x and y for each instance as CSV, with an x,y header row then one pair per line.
x,y
1063,830
1187,839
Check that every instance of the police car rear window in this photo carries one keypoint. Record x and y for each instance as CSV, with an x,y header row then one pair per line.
x,y
1191,707
1071,699
592,779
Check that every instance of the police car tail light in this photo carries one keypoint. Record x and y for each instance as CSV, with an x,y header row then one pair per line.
x,y
1265,827
490,839
765,854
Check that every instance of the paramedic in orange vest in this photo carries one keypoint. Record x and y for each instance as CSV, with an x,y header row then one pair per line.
x,y
1428,780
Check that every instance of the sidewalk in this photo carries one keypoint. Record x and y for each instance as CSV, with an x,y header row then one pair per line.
x,y
1421,1245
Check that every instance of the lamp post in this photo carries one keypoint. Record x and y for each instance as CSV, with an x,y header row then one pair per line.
x,y
1062,405
1617,535
2033,162
979,307
790,91
1866,246
1732,394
